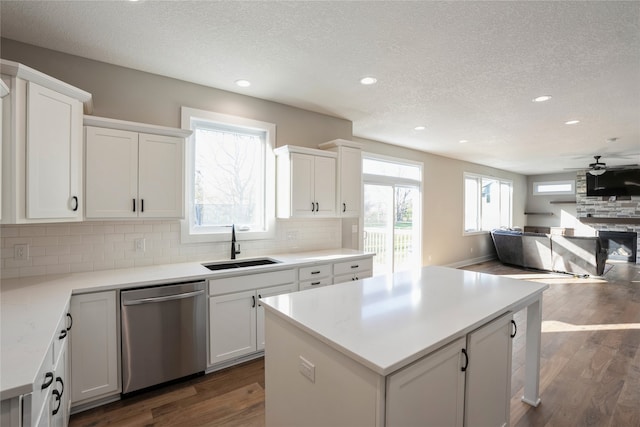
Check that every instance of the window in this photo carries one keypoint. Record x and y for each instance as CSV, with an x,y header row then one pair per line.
x,y
392,212
487,203
230,177
554,187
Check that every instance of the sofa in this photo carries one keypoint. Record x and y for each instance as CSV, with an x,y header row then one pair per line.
x,y
579,255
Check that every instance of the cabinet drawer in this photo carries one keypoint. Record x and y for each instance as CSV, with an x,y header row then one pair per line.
x,y
314,272
354,266
250,281
62,334
316,283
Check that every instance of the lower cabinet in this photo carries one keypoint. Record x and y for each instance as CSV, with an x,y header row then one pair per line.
x,y
236,319
94,347
352,270
466,383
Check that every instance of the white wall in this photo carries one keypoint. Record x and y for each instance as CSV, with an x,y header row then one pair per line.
x,y
556,214
128,94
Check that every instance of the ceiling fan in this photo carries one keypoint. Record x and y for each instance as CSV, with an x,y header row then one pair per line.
x,y
598,168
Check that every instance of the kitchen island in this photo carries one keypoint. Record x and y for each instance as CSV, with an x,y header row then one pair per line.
x,y
424,347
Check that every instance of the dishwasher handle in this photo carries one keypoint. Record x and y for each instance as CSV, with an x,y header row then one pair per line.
x,y
163,299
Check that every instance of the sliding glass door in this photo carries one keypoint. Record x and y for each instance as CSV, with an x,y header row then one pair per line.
x,y
392,212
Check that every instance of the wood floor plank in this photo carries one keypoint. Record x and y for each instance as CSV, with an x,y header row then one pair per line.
x,y
590,365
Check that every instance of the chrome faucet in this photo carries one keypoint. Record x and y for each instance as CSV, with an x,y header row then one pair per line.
x,y
233,242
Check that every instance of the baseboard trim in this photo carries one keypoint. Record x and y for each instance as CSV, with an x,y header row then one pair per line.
x,y
471,261
233,362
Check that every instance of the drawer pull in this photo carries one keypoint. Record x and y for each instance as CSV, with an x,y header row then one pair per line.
x,y
355,266
315,283
70,321
63,334
48,379
315,272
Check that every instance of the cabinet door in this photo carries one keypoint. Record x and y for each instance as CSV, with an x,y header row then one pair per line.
x,y
232,326
54,155
264,293
350,182
94,346
59,405
488,386
161,176
430,392
302,191
324,174
111,173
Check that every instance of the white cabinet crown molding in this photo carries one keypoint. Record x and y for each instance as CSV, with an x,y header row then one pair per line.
x,y
285,149
105,122
21,71
335,143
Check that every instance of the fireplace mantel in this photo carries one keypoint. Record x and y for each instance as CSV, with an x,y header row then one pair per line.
x,y
608,220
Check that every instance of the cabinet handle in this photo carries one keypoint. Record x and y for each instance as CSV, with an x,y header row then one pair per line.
x,y
253,297
344,207
58,396
355,266
141,205
48,379
70,321
313,207
75,199
259,298
315,283
134,205
63,334
59,380
515,329
466,360
317,207
315,272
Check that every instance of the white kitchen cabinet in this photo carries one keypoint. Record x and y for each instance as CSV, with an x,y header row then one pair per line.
x,y
488,382
315,276
468,382
95,350
4,91
349,176
236,318
430,392
352,270
232,326
130,174
306,182
42,147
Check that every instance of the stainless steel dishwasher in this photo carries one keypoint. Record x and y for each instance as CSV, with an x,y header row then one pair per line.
x,y
163,334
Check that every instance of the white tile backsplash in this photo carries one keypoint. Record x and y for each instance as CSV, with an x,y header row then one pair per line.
x,y
103,245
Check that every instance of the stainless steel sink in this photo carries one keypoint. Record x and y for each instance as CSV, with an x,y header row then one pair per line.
x,y
240,263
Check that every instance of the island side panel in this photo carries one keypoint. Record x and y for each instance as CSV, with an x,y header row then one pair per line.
x,y
344,393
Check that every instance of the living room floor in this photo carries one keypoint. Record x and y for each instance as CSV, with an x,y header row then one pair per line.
x,y
590,365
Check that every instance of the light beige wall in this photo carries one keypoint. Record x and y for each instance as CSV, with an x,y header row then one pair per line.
x,y
126,94
443,203
556,214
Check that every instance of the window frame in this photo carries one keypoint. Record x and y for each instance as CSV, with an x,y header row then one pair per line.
x,y
223,233
479,177
537,184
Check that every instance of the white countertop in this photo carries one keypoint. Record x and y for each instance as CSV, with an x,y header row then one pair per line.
x,y
30,308
387,322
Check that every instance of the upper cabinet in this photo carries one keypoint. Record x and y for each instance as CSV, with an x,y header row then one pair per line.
x,y
41,147
349,176
306,182
133,170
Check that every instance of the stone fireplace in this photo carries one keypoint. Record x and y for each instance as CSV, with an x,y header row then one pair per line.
x,y
620,245
607,215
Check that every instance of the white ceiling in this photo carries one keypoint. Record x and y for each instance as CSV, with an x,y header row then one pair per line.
x,y
465,70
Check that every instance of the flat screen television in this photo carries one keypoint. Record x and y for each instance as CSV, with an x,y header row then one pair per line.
x,y
617,182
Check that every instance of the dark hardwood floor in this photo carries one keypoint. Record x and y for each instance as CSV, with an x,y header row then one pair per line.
x,y
590,365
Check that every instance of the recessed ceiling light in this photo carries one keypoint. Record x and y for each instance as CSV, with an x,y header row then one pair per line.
x,y
419,128
572,122
368,80
243,83
542,98
463,141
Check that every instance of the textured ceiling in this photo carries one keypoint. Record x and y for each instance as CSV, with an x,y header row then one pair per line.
x,y
464,70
